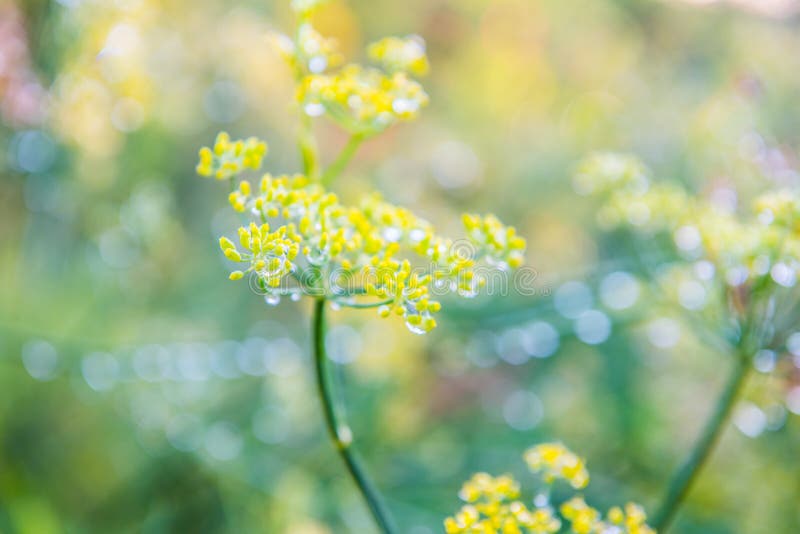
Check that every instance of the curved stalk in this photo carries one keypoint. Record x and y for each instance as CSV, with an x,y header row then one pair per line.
x,y
340,434
341,161
682,482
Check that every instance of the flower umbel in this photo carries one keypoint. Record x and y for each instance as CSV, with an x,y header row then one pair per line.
x,y
584,519
400,54
494,504
360,99
749,259
303,240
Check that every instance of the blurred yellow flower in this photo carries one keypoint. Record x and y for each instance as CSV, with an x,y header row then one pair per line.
x,y
400,54
362,100
493,504
554,460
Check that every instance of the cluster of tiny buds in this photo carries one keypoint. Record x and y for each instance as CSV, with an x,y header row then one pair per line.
x,y
302,240
362,100
229,158
396,54
493,504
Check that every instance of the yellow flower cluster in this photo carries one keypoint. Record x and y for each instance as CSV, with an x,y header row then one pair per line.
x,y
269,254
396,54
302,232
229,158
584,519
493,504
362,100
501,241
744,248
554,461
485,486
493,507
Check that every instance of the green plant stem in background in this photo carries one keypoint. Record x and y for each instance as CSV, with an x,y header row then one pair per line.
x,y
341,161
340,434
682,482
308,147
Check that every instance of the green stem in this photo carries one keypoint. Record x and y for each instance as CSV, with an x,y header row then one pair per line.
x,y
340,434
682,482
308,147
341,161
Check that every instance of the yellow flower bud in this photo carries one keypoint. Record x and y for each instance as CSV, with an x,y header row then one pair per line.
x,y
233,254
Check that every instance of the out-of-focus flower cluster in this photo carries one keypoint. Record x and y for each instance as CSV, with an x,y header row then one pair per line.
x,y
494,505
554,461
106,90
397,54
129,65
753,255
363,100
745,247
628,193
302,234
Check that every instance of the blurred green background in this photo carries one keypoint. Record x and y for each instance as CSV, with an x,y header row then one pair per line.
x,y
141,391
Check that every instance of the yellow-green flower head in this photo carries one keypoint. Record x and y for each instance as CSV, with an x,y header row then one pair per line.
x,y
483,486
583,518
362,100
359,252
229,158
554,461
632,519
743,248
400,54
493,505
